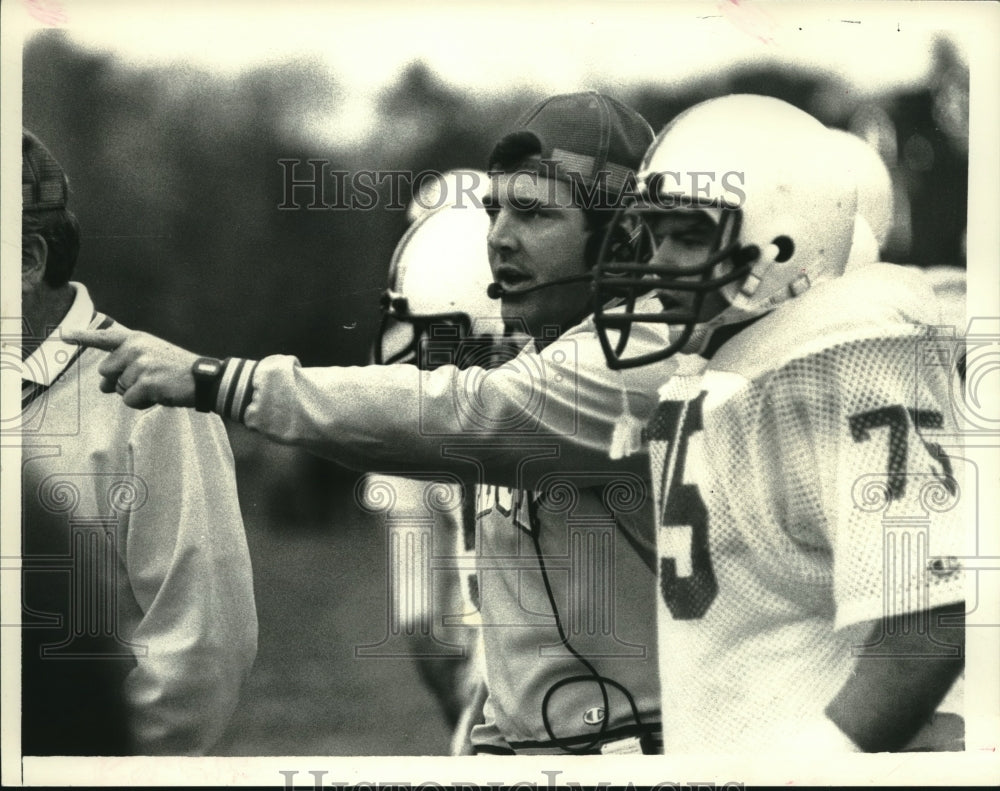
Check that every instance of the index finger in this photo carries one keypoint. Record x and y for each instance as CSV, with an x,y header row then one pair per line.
x,y
108,340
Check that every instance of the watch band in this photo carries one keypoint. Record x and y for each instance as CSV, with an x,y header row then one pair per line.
x,y
207,372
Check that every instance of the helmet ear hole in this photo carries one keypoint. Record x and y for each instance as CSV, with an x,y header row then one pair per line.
x,y
399,305
786,248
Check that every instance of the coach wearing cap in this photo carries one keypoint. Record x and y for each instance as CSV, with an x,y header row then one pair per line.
x,y
565,557
139,625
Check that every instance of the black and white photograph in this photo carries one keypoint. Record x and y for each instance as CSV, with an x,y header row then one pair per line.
x,y
500,394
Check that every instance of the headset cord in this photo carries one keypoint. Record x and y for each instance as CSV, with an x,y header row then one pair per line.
x,y
601,681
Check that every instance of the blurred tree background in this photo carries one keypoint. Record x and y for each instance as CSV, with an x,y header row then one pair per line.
x,y
176,180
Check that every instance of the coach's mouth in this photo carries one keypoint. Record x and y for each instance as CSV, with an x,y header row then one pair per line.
x,y
511,279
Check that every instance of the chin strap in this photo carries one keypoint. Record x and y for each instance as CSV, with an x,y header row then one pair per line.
x,y
626,438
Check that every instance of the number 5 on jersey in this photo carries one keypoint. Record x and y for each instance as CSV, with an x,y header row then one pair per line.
x,y
687,580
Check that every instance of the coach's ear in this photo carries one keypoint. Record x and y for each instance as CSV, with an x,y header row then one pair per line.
x,y
34,256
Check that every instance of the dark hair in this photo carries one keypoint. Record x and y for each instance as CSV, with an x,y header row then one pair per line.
x,y
61,232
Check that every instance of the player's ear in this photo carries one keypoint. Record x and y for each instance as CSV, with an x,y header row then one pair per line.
x,y
34,256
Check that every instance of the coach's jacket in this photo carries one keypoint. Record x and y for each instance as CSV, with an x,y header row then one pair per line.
x,y
564,545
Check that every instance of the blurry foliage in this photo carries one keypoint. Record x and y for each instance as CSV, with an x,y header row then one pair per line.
x,y
176,182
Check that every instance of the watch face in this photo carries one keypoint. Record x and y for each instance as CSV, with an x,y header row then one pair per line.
x,y
206,367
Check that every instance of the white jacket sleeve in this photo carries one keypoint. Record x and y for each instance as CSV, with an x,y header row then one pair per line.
x,y
189,568
398,417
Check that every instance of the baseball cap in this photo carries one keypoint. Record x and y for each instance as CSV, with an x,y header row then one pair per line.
x,y
591,137
43,183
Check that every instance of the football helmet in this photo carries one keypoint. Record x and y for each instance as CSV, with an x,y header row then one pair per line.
x,y
453,187
783,210
436,301
873,221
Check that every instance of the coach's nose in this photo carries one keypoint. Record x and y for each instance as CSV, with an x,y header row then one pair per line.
x,y
502,235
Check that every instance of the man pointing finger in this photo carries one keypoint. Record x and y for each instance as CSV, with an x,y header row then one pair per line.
x,y
564,536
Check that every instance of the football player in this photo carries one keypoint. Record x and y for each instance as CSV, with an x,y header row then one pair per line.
x,y
808,480
873,225
565,561
431,522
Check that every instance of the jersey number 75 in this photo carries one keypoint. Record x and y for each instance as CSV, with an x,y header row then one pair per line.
x,y
687,580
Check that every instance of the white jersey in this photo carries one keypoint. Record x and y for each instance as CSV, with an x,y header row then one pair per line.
x,y
802,492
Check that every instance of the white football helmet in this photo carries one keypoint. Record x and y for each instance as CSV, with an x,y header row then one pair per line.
x,y
436,297
784,209
873,221
453,187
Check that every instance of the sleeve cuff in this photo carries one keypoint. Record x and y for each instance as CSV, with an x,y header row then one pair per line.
x,y
235,388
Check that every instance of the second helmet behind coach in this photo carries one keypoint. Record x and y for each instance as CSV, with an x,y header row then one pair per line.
x,y
438,280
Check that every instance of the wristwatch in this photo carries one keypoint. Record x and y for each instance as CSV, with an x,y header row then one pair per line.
x,y
207,372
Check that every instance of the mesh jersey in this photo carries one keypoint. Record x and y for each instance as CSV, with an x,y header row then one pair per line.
x,y
575,560
797,500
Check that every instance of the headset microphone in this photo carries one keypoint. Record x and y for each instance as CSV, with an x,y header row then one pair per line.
x,y
497,291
